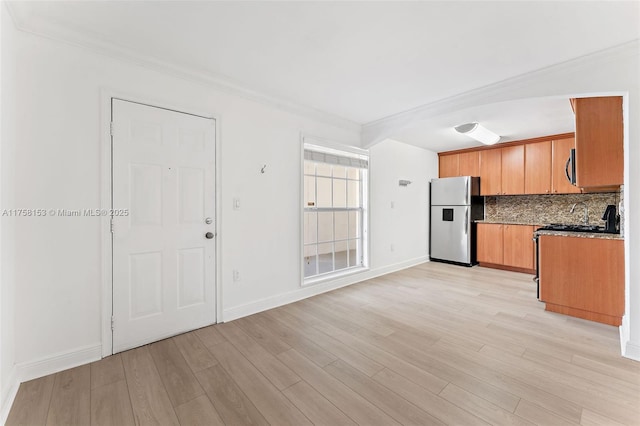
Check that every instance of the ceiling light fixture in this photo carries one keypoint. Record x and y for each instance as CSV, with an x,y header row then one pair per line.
x,y
477,132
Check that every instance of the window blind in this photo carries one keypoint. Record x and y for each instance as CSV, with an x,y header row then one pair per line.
x,y
359,161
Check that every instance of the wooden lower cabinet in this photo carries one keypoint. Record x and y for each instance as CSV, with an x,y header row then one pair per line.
x,y
490,248
583,277
519,248
505,245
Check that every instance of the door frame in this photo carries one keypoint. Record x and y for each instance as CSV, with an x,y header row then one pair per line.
x,y
106,95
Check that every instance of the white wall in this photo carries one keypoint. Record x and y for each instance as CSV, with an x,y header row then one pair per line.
x,y
57,162
406,224
612,72
7,144
58,166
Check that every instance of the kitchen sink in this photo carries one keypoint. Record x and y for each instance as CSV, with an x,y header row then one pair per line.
x,y
573,228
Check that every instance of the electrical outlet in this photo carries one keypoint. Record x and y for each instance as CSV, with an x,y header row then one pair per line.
x,y
236,275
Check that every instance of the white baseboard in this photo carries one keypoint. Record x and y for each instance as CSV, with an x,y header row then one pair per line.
x,y
61,361
9,392
624,333
628,348
632,351
313,290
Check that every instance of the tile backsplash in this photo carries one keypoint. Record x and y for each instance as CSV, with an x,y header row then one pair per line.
x,y
541,209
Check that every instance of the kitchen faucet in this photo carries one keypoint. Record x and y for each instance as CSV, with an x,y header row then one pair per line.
x,y
586,211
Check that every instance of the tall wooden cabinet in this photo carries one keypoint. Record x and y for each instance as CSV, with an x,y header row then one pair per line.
x,y
599,141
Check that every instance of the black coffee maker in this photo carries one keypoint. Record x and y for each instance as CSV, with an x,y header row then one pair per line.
x,y
611,220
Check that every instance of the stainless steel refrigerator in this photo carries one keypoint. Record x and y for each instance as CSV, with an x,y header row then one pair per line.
x,y
455,205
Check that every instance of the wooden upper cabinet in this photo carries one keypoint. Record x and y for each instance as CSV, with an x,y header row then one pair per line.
x,y
519,248
489,243
469,163
559,183
448,165
599,141
491,172
537,168
513,170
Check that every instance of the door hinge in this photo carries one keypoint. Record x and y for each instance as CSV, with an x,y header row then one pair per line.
x,y
111,227
111,128
113,321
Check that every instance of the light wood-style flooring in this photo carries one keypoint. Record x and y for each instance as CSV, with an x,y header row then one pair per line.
x,y
431,345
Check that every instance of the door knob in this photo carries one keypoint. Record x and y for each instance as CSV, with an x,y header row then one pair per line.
x,y
209,235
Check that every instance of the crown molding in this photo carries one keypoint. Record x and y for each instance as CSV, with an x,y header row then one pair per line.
x,y
378,130
31,24
371,133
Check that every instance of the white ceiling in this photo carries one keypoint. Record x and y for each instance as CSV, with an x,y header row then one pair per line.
x,y
358,60
515,120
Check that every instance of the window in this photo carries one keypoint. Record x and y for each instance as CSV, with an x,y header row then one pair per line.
x,y
334,210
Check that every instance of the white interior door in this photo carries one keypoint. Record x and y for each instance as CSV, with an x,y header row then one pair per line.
x,y
163,260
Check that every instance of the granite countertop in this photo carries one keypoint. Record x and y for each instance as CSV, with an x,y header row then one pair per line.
x,y
582,235
509,222
558,233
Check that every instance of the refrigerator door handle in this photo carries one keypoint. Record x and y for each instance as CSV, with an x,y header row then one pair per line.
x,y
466,191
466,221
